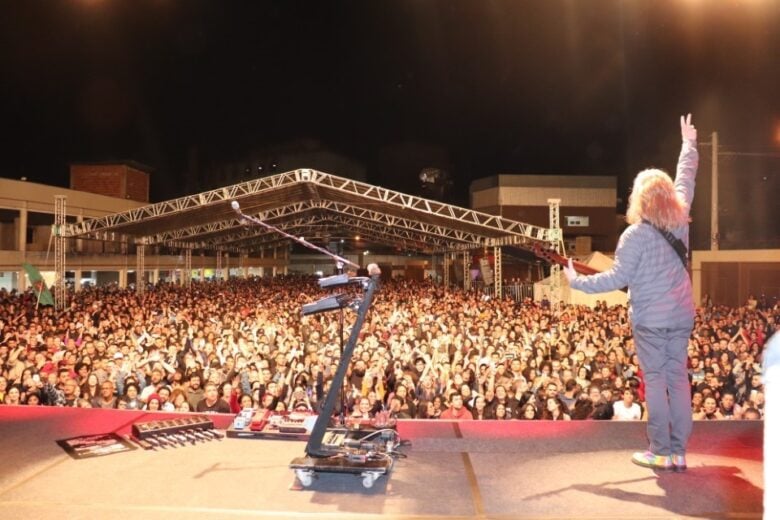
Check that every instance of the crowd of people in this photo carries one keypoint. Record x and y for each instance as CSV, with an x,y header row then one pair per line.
x,y
423,353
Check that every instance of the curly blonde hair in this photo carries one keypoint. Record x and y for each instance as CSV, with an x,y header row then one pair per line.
x,y
654,199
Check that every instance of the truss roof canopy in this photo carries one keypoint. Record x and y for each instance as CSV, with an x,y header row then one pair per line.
x,y
304,202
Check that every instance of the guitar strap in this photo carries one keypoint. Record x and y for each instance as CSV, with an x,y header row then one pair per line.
x,y
675,242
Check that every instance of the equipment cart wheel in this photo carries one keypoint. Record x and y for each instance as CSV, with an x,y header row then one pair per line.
x,y
304,477
369,477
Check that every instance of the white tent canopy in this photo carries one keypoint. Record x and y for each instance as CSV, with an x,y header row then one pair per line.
x,y
596,260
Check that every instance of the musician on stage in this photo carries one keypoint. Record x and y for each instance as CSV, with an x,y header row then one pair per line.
x,y
650,260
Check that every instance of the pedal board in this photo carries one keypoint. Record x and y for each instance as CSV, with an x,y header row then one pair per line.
x,y
175,432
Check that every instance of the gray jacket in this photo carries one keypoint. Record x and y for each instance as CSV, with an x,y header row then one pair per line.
x,y
660,293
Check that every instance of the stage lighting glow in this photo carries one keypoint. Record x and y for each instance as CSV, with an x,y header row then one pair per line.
x,y
777,132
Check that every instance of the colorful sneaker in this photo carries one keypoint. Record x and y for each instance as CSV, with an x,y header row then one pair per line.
x,y
648,459
679,464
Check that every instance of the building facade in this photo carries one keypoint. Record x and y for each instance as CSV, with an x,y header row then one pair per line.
x,y
588,207
26,219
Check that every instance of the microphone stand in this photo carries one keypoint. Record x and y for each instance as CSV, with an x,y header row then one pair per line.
x,y
369,284
244,217
342,393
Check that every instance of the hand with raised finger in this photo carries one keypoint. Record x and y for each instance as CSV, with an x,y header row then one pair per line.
x,y
687,129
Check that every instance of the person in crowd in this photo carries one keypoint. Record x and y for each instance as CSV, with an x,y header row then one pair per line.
x,y
529,412
729,408
480,411
70,391
709,410
457,410
363,410
131,400
153,403
3,388
211,401
195,392
106,399
33,399
501,413
626,409
90,389
569,396
651,260
165,395
177,398
13,395
554,410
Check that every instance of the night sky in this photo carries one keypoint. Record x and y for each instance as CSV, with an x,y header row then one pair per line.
x,y
474,87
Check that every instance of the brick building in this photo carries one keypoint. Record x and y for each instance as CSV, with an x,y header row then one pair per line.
x,y
123,180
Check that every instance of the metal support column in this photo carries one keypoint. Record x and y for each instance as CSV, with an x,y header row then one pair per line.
x,y
218,273
498,276
446,277
187,268
140,270
466,271
556,237
21,246
60,294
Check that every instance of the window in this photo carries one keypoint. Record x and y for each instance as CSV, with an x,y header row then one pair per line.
x,y
577,221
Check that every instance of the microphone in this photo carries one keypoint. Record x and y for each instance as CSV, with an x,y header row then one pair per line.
x,y
374,270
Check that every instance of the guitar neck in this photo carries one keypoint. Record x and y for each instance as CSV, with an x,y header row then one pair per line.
x,y
553,257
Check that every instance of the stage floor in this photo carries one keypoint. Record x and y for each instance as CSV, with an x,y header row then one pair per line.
x,y
485,470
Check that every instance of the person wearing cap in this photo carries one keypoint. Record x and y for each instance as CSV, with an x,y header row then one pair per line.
x,y
153,403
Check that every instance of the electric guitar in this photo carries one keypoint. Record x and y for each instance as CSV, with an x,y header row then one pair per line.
x,y
553,257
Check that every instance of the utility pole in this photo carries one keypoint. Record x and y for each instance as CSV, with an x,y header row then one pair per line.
x,y
714,225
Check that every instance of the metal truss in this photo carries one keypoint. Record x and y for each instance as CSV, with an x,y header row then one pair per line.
x,y
407,227
334,225
556,239
429,207
190,202
229,232
60,291
498,272
459,233
444,232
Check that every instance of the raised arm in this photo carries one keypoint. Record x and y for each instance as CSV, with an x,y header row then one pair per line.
x,y
688,163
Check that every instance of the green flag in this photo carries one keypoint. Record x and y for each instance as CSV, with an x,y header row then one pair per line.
x,y
39,285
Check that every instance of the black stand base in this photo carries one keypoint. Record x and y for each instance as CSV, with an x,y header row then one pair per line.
x,y
368,468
